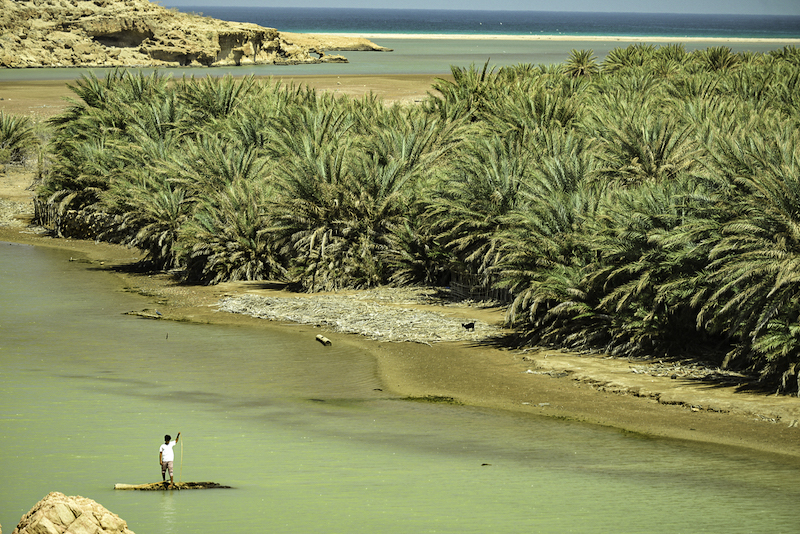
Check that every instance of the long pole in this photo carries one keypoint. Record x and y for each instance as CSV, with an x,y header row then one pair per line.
x,y
180,470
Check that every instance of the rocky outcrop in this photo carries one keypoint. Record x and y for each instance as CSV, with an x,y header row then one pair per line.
x,y
58,513
137,33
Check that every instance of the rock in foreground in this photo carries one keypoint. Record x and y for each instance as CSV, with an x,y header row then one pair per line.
x,y
58,513
138,33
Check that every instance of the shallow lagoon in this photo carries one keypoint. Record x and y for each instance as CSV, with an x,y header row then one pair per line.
x,y
409,56
307,438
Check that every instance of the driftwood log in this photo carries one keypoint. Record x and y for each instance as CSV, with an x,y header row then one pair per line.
x,y
161,486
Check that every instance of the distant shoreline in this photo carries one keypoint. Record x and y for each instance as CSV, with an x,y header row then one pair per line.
x,y
599,38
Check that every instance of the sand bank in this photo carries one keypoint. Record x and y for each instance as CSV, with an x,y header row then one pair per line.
x,y
41,99
599,38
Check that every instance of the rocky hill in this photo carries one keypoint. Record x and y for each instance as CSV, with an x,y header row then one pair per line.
x,y
138,33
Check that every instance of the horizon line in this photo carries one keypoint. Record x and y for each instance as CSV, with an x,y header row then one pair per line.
x,y
361,8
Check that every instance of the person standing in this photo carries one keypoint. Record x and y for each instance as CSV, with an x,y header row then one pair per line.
x,y
166,456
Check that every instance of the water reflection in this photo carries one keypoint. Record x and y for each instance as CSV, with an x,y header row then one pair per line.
x,y
168,523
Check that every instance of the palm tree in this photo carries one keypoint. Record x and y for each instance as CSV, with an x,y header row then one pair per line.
x,y
566,161
789,53
90,133
755,266
672,52
228,237
786,91
335,214
156,119
753,85
418,142
81,173
130,87
153,210
17,138
666,68
702,87
209,164
717,58
581,63
645,145
414,255
635,55
303,131
469,206
534,108
211,98
640,270
467,95
542,262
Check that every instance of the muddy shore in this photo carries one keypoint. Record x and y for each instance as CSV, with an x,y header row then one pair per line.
x,y
666,399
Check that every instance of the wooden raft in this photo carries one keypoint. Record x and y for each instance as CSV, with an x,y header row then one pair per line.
x,y
162,486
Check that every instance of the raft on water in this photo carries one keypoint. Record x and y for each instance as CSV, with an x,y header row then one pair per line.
x,y
161,486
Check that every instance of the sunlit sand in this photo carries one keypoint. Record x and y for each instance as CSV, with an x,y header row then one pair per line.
x,y
537,37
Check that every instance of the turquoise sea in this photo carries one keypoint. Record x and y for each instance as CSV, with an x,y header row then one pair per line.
x,y
466,22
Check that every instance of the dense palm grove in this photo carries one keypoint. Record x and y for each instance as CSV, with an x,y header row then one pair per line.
x,y
647,205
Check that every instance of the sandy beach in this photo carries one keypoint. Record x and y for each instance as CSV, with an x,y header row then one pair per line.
x,y
41,99
651,398
595,38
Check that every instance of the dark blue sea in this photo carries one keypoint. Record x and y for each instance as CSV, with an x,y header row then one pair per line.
x,y
431,21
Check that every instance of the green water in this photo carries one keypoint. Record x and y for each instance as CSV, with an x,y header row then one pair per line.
x,y
307,438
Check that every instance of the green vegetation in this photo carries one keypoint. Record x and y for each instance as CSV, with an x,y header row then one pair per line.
x,y
17,138
647,205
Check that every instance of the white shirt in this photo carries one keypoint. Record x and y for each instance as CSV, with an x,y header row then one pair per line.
x,y
167,455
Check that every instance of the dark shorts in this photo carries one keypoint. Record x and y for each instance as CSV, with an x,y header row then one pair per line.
x,y
165,466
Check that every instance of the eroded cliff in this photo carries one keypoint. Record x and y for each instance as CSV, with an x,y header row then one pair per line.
x,y
138,33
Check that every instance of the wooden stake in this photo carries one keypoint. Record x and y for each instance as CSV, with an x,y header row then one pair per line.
x,y
180,470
